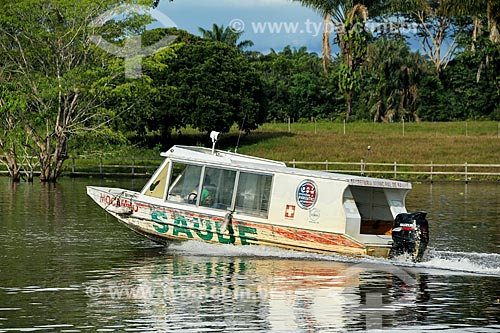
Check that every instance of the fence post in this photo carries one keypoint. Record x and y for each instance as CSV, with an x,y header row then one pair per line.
x,y
133,167
326,165
395,170
293,163
72,165
100,165
466,178
432,170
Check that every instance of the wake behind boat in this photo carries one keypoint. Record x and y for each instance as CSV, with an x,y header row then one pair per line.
x,y
221,197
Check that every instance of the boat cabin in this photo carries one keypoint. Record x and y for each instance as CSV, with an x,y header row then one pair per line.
x,y
215,183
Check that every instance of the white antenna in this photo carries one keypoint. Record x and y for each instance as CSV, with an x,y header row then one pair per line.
x,y
214,136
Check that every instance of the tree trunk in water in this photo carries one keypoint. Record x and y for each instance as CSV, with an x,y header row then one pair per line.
x,y
51,164
327,52
50,172
14,172
9,159
51,168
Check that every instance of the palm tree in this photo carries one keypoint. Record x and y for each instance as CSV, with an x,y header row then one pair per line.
x,y
398,73
326,8
353,42
489,9
226,35
349,17
337,12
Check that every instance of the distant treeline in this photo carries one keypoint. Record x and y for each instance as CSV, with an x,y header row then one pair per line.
x,y
211,85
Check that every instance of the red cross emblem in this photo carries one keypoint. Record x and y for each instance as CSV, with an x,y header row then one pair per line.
x,y
290,211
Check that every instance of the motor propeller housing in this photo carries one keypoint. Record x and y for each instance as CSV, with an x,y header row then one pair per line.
x,y
410,235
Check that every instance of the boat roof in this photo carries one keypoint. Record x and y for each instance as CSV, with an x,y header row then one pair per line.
x,y
229,159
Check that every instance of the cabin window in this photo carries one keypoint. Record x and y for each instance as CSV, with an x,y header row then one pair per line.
x,y
184,183
157,188
218,188
252,196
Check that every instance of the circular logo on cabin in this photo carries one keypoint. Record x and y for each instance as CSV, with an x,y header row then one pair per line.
x,y
307,194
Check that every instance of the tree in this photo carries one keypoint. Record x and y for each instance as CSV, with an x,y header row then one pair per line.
x,y
325,8
353,41
436,27
489,9
11,135
337,12
213,86
49,63
294,86
393,76
226,35
349,17
139,106
484,40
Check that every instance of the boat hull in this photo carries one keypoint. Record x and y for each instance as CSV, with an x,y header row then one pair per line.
x,y
166,224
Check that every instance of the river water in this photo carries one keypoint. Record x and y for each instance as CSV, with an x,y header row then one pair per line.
x,y
66,266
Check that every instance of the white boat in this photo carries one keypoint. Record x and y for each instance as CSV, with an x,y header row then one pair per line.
x,y
215,196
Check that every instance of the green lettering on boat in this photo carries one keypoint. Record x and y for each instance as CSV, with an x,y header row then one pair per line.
x,y
205,236
243,231
161,226
180,226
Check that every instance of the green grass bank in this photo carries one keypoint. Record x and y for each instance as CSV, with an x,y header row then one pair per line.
x,y
450,142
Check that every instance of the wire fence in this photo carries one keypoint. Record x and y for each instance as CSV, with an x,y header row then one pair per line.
x,y
78,166
430,171
144,167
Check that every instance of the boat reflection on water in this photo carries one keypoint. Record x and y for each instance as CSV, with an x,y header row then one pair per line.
x,y
261,294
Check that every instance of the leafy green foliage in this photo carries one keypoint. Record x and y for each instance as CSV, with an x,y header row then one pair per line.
x,y
204,84
392,80
214,87
226,35
48,59
295,86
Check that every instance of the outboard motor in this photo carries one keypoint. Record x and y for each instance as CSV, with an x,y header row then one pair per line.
x,y
410,234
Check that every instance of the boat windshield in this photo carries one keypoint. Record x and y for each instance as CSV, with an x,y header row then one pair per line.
x,y
227,189
185,180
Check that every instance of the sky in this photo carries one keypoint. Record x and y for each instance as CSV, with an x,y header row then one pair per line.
x,y
270,24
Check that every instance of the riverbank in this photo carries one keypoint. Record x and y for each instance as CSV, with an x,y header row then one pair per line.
x,y
426,151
